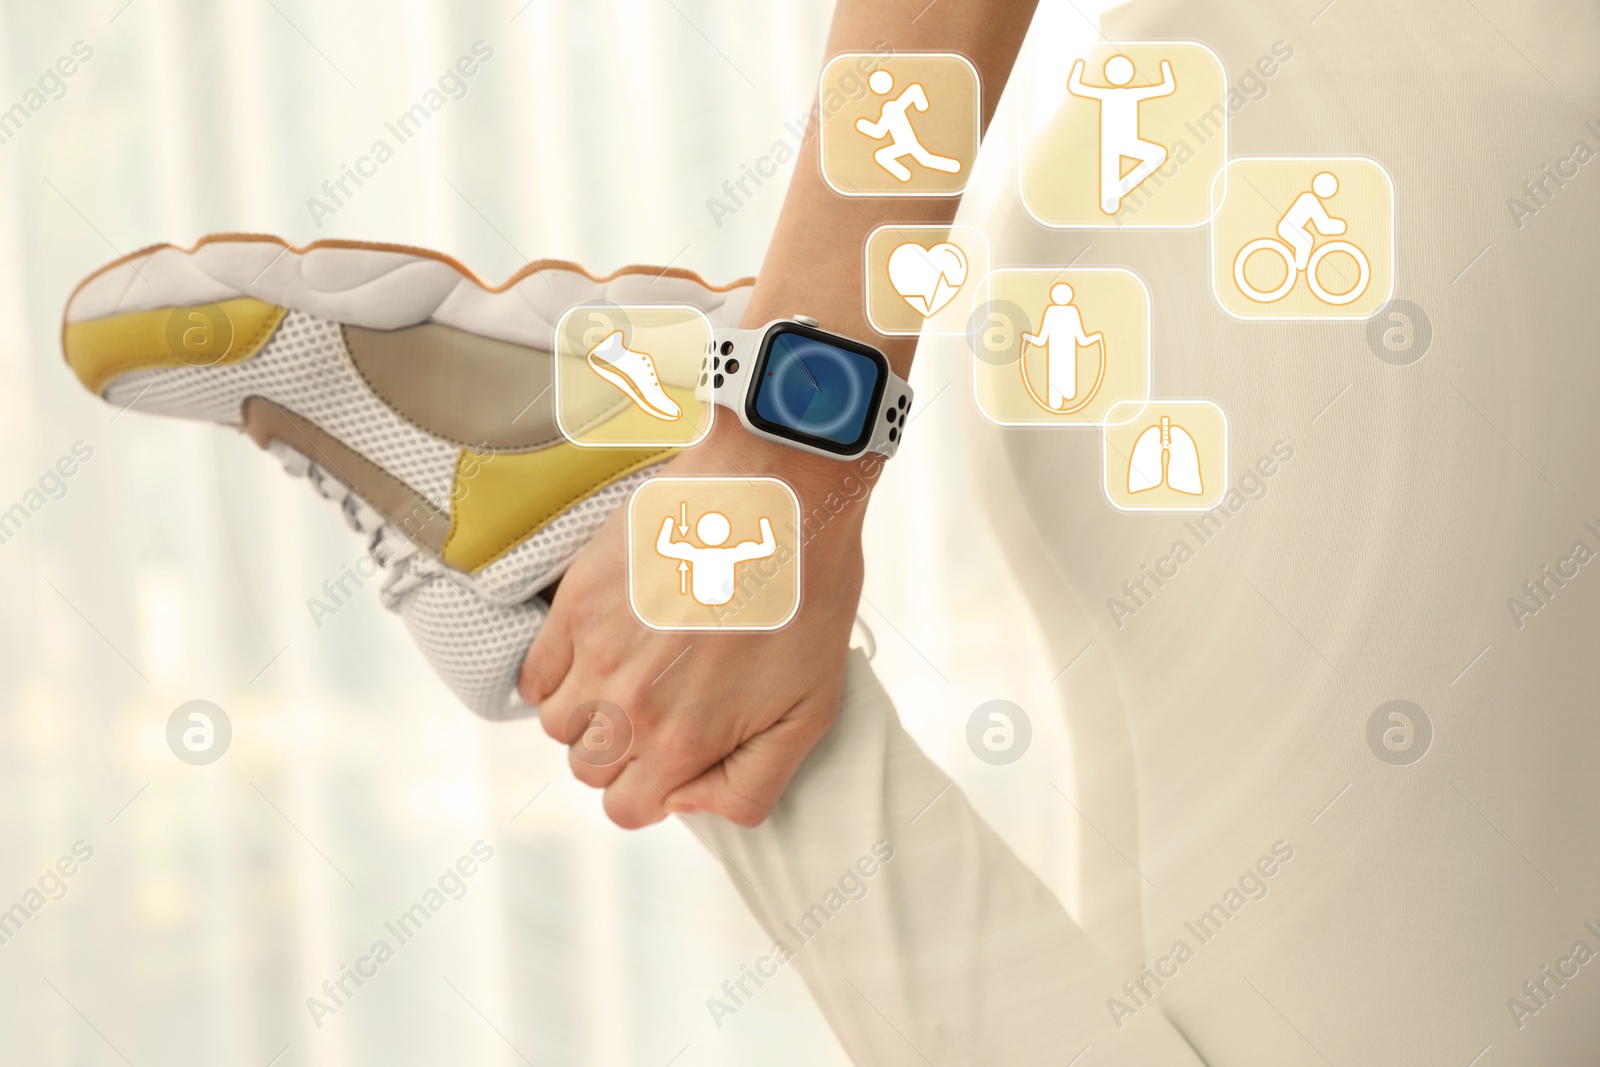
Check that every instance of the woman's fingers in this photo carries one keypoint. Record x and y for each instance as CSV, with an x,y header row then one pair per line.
x,y
666,759
601,742
745,786
548,660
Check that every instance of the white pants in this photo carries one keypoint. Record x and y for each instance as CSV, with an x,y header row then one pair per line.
x,y
956,953
1420,544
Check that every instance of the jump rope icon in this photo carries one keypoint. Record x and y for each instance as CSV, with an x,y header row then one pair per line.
x,y
1060,335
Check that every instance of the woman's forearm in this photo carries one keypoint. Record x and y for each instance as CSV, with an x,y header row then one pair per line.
x,y
815,264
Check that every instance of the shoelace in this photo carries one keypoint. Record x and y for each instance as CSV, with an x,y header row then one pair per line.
x,y
405,566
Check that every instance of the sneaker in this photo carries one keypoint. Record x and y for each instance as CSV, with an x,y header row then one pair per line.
x,y
406,390
635,374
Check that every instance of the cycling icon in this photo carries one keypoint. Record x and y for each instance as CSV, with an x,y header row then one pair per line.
x,y
1300,252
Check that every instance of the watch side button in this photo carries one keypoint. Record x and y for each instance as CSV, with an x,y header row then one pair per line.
x,y
807,320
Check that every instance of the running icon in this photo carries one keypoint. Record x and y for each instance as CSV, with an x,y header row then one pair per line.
x,y
894,122
708,571
1300,252
1119,126
1061,334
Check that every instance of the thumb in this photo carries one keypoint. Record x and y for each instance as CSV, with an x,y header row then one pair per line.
x,y
746,785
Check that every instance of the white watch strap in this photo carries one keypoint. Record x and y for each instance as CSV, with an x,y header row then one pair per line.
x,y
725,380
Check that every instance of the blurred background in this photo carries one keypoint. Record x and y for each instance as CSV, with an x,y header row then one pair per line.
x,y
177,562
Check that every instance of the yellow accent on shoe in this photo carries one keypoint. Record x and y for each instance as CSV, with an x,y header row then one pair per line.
x,y
499,500
205,335
623,421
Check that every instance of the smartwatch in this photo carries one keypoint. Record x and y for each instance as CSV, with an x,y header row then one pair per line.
x,y
793,382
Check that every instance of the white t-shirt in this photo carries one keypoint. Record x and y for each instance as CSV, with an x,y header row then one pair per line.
x,y
1424,531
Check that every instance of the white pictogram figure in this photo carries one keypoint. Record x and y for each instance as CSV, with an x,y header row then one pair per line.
x,y
894,122
1307,213
707,570
1060,335
1119,126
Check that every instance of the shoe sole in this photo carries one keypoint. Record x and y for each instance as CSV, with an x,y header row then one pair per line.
x,y
417,285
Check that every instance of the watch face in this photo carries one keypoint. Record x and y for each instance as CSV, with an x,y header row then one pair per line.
x,y
817,388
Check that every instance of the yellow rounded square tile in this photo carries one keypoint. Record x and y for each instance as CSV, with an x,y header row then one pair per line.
x,y
1061,347
899,124
1134,134
714,553
625,376
1303,238
1172,457
925,279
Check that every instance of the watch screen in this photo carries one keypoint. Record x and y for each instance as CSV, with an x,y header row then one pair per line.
x,y
817,391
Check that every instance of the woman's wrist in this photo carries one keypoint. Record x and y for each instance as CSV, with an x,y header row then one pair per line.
x,y
820,482
731,450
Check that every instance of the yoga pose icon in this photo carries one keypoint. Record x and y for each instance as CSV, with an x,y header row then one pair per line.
x,y
1119,126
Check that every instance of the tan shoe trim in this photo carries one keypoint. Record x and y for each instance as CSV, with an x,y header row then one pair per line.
x,y
484,393
500,500
421,520
460,386
101,350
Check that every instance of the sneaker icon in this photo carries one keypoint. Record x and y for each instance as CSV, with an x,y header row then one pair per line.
x,y
635,374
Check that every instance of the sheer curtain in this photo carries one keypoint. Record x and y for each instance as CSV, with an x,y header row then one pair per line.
x,y
176,562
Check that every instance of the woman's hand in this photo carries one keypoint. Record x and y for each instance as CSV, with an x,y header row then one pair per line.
x,y
720,720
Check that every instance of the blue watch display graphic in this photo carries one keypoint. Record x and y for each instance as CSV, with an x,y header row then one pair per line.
x,y
793,382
